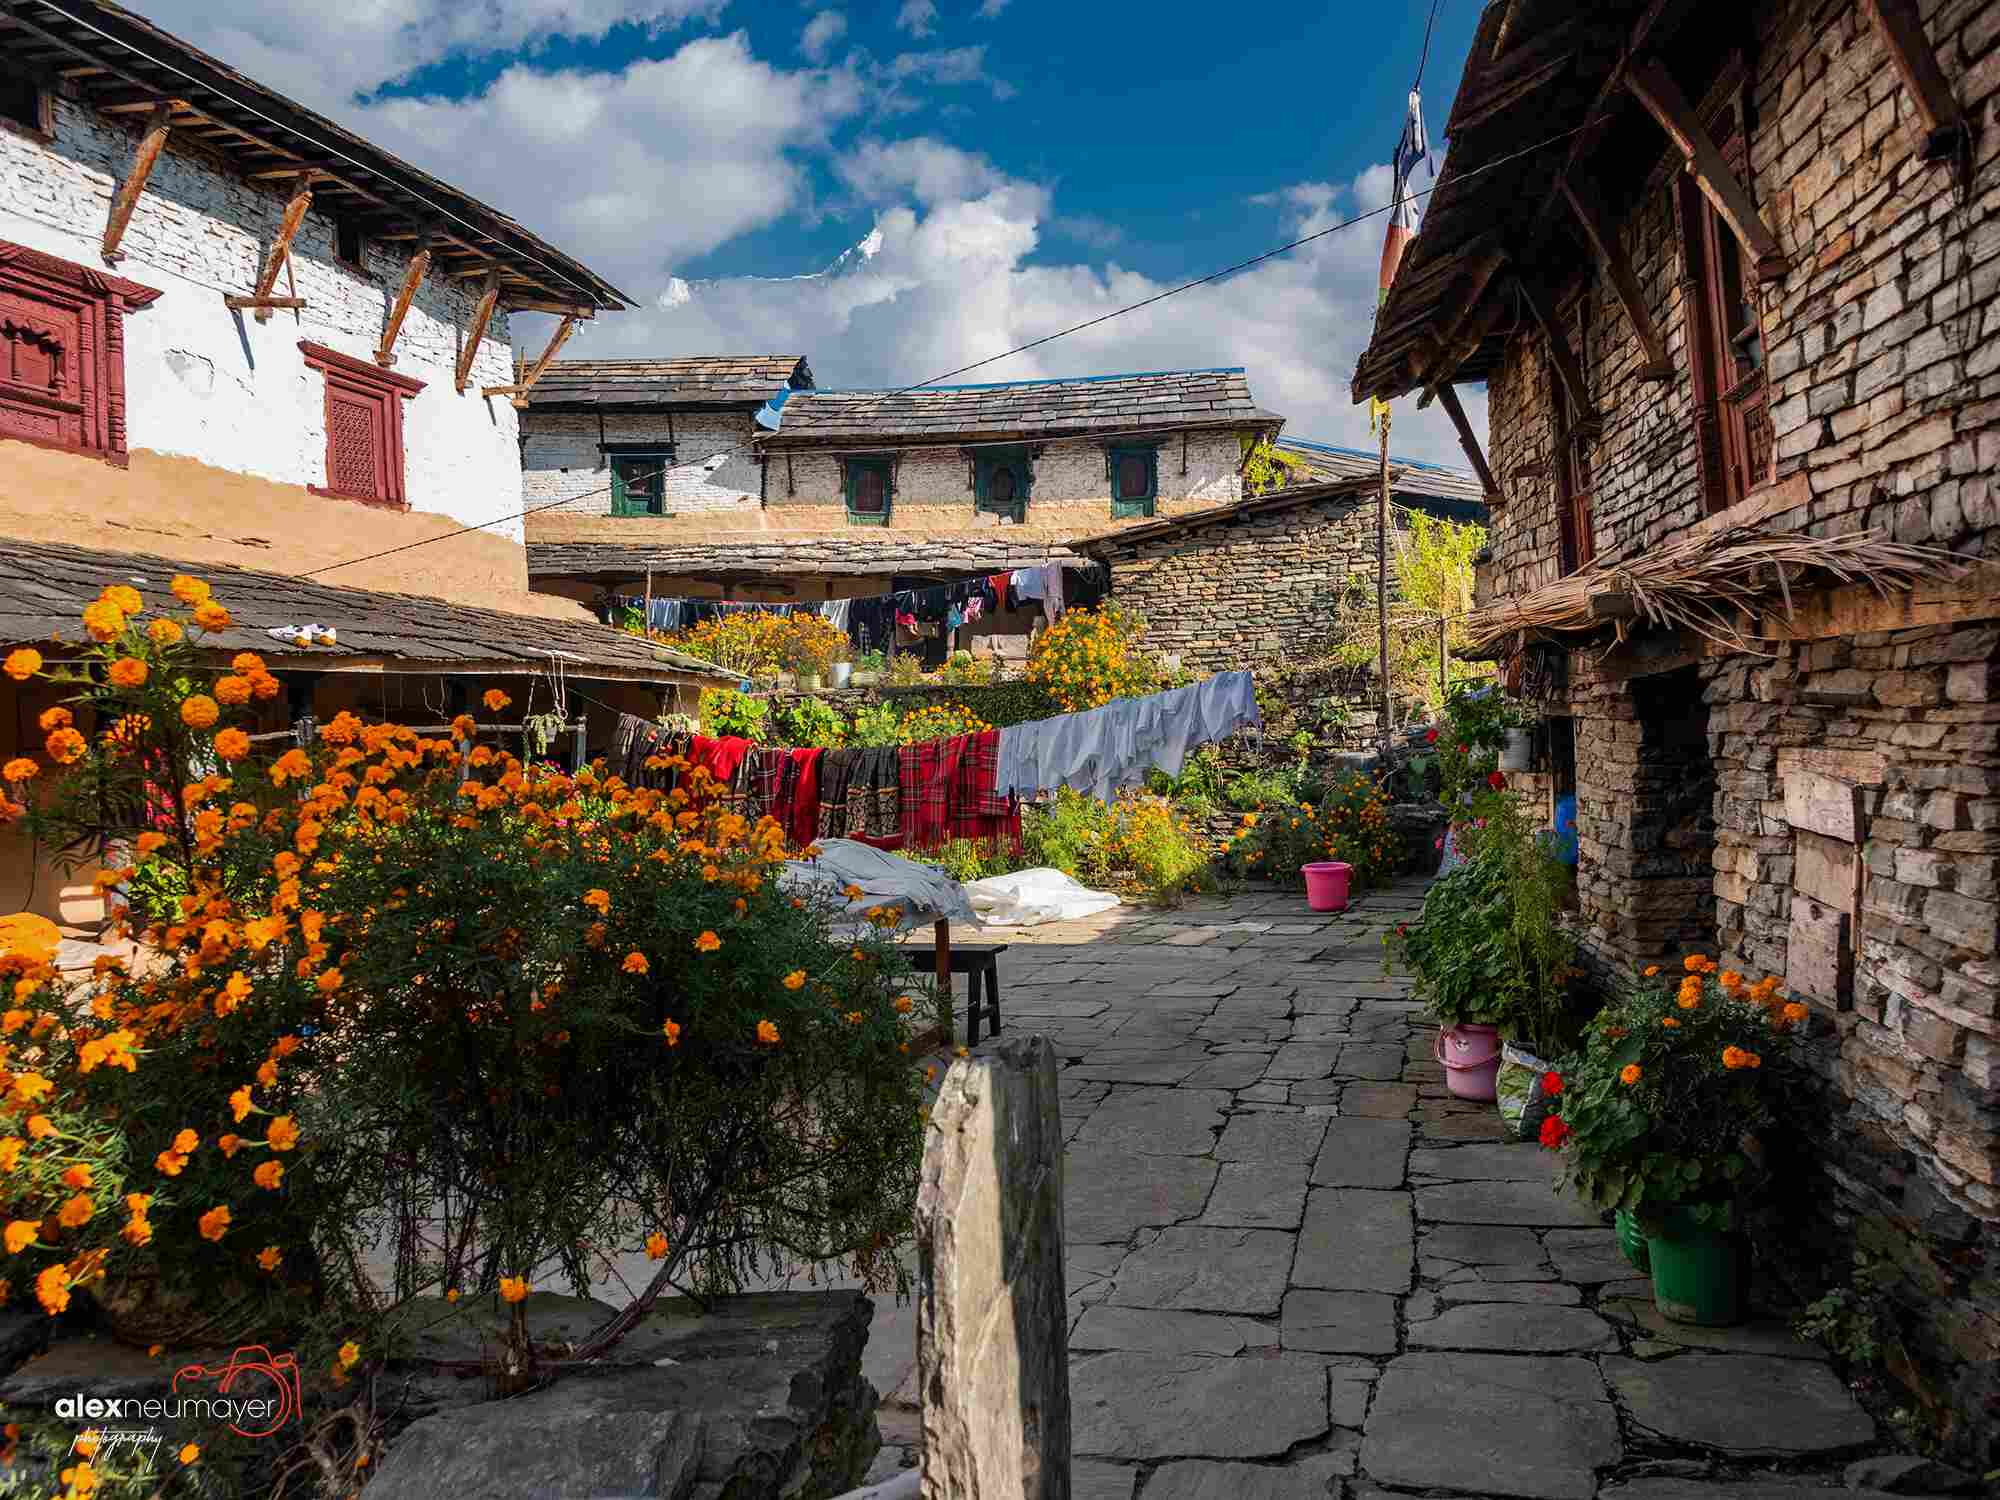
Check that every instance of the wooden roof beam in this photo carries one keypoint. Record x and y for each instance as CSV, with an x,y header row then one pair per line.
x,y
413,278
1651,22
482,314
1618,270
1662,98
1468,326
152,141
1468,440
1946,128
1560,354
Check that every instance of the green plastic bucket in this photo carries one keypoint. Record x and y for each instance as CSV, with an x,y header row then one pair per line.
x,y
1698,1272
1632,1240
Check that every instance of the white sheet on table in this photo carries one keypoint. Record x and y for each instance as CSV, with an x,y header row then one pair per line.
x,y
919,893
1028,898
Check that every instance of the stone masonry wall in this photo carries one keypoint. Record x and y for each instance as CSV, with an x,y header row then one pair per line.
x,y
1883,352
561,460
1250,589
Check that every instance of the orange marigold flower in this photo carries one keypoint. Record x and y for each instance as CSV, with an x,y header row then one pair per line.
x,y
28,1087
214,1224
656,1246
127,672
148,844
597,900
186,1141
350,1354
211,616
283,1134
268,1174
188,590
708,942
199,711
495,700
10,1152
233,690
77,1176
1694,963
170,1162
328,982
65,747
767,1033
269,1257
1630,1073
1794,1012
672,1032
164,633
21,1234
796,979
55,718
52,1289
514,1288
635,963
77,1211
192,1451
903,1004
22,664
20,768
232,744
229,1145
41,1127
291,764
249,663
1670,1022
104,620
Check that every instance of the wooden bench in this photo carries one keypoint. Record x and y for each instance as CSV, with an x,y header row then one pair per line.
x,y
979,962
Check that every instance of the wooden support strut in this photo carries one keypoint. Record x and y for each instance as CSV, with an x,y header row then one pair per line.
x,y
1468,440
526,383
1567,369
1619,269
482,314
413,278
1902,31
1662,98
1466,328
281,249
151,143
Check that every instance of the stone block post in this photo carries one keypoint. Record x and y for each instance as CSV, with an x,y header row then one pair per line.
x,y
992,1319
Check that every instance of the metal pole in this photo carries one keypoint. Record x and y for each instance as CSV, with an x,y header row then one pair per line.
x,y
1382,579
646,620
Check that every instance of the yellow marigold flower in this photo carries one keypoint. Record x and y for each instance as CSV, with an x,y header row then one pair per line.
x,y
350,1355
211,616
903,1004
199,711
1689,1002
21,1234
104,620
249,663
214,1224
598,900
127,672
65,747
268,1174
229,1145
76,1211
163,633
328,982
1630,1073
10,1152
283,1134
52,1289
148,844
192,1451
708,942
232,744
514,1288
41,1127
635,963
188,590
77,1176
22,664
796,979
452,1295
270,1257
672,1032
767,1033
1694,963
186,1142
20,768
55,718
656,1246
1794,1012
495,700
28,1087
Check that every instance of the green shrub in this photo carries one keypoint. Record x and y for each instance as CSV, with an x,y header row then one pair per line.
x,y
1160,848
1069,832
810,722
1350,823
724,711
1198,786
1247,791
970,859
875,725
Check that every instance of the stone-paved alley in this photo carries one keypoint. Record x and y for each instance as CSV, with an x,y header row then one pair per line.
x,y
1298,1267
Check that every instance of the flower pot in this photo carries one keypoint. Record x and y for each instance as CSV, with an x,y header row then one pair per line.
x,y
1632,1240
1518,753
1698,1271
843,673
807,682
1471,1057
1326,885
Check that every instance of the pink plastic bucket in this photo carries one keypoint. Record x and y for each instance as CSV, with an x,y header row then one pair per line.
x,y
1471,1058
1326,885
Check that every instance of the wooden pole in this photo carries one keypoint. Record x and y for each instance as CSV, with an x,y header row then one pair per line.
x,y
943,931
646,620
1382,579
1444,663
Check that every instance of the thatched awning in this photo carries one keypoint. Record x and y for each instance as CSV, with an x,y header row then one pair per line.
x,y
1714,586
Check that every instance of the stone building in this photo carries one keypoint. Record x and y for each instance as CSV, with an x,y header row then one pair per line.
x,y
1729,277
240,342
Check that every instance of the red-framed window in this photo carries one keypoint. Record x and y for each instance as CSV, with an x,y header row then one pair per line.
x,y
62,352
364,428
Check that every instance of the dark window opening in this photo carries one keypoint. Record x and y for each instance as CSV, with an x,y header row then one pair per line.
x,y
639,482
348,244
24,102
1134,481
869,491
1002,482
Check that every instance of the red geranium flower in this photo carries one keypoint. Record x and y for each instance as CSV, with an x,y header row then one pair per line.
x,y
1495,780
1461,749
1431,738
1552,1083
1554,1132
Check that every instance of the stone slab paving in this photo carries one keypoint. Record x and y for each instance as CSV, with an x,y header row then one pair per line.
x,y
1298,1267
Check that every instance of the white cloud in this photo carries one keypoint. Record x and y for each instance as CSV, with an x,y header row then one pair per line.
x,y
928,170
988,9
944,67
822,31
917,17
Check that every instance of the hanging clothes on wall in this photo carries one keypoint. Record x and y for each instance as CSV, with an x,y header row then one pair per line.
x,y
1102,750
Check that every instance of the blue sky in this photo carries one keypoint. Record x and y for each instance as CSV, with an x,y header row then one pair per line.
x,y
897,187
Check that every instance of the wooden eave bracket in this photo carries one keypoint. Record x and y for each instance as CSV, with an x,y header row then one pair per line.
x,y
263,306
1661,97
526,383
482,314
1469,441
1618,270
1947,130
261,301
1588,423
413,279
152,141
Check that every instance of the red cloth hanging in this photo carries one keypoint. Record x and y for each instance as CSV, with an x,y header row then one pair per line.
x,y
804,826
926,792
977,811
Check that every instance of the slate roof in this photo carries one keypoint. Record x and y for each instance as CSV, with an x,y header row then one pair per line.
x,y
43,589
1413,483
952,556
1355,487
695,380
1087,406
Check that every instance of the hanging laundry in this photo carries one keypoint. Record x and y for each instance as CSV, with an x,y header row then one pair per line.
x,y
1027,583
1103,750
1052,592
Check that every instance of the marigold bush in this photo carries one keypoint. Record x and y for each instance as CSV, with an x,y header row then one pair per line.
x,y
1350,823
1090,656
938,721
499,1022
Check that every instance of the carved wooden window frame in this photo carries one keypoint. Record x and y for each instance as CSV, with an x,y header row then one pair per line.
x,y
1734,447
100,302
853,467
383,392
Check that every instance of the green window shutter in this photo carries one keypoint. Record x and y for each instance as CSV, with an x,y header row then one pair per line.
x,y
1002,479
877,475
1135,481
620,505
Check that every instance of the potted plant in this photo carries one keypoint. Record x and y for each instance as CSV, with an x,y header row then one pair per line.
x,y
1658,1116
810,645
1458,950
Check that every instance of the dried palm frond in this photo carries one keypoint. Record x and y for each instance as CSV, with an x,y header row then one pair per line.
x,y
1707,584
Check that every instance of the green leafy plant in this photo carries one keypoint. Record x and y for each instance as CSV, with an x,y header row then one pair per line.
x,y
1349,822
725,711
1249,790
1267,467
811,722
1198,788
870,661
963,669
1851,1320
1662,1105
875,725
1458,949
1069,832
969,859
905,670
